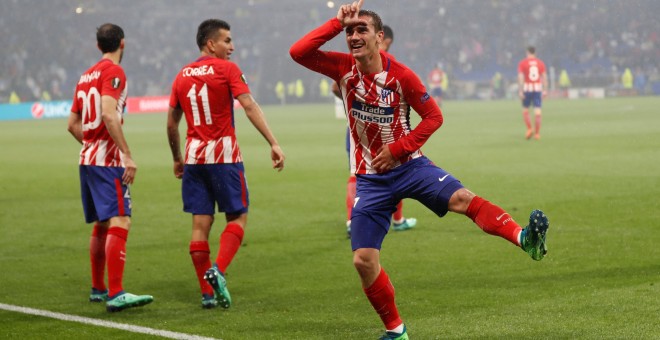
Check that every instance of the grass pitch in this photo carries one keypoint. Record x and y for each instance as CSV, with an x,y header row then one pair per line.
x,y
595,172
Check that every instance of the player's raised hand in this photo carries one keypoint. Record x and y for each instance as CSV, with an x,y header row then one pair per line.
x,y
348,14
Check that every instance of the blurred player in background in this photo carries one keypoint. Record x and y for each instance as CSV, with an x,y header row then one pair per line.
x,y
106,168
532,87
212,169
399,223
435,79
379,93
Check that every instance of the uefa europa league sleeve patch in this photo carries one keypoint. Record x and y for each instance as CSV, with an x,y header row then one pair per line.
x,y
115,83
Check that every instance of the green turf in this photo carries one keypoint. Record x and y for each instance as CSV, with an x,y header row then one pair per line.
x,y
595,172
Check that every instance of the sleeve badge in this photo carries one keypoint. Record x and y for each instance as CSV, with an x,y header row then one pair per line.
x,y
116,82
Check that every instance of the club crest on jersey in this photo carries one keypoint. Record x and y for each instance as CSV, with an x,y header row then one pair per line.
x,y
115,83
387,96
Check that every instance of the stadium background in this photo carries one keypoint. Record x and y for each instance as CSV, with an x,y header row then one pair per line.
x,y
47,44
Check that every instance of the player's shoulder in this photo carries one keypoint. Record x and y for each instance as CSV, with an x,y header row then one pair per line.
x,y
110,69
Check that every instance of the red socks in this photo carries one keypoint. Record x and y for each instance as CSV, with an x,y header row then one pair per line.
x,y
398,214
528,121
199,253
350,196
493,220
97,256
115,254
230,241
381,296
537,123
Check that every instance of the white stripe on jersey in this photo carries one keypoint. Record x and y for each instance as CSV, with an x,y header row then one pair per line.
x,y
192,151
227,149
101,152
209,151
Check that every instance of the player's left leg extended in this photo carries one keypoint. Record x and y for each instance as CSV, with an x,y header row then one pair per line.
x,y
495,221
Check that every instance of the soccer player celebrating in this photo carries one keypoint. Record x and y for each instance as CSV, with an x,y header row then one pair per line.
x,y
399,223
379,93
532,87
212,170
106,168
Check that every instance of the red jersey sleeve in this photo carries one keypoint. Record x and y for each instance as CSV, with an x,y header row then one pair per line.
x,y
174,98
306,50
113,81
415,94
237,82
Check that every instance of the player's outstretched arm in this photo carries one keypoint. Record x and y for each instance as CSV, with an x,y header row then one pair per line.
x,y
174,139
257,118
113,123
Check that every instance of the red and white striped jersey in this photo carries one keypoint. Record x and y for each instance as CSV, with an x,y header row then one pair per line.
x,y
377,105
532,69
103,79
205,91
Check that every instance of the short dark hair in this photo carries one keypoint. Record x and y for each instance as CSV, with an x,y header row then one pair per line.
x,y
208,30
388,33
378,23
531,49
109,37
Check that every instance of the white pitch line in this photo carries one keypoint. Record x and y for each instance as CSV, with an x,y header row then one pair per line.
x,y
103,323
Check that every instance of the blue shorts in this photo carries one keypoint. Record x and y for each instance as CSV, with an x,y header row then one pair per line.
x,y
204,185
103,193
436,92
377,197
532,98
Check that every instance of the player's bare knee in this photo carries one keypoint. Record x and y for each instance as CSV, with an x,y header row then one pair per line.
x,y
460,200
365,261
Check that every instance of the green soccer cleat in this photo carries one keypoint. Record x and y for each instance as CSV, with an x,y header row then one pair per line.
x,y
408,223
127,300
219,284
98,295
209,301
532,238
395,336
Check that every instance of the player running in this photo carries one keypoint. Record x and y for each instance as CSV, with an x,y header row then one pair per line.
x,y
379,93
106,168
212,169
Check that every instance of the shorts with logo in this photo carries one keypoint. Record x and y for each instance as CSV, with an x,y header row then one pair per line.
x,y
530,98
377,196
205,185
103,193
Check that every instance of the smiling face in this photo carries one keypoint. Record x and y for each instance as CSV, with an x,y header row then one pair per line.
x,y
362,38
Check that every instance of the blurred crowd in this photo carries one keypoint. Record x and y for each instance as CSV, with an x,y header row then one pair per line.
x,y
48,44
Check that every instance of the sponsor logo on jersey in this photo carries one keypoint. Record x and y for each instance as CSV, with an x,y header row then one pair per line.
x,y
425,97
115,83
372,114
197,71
